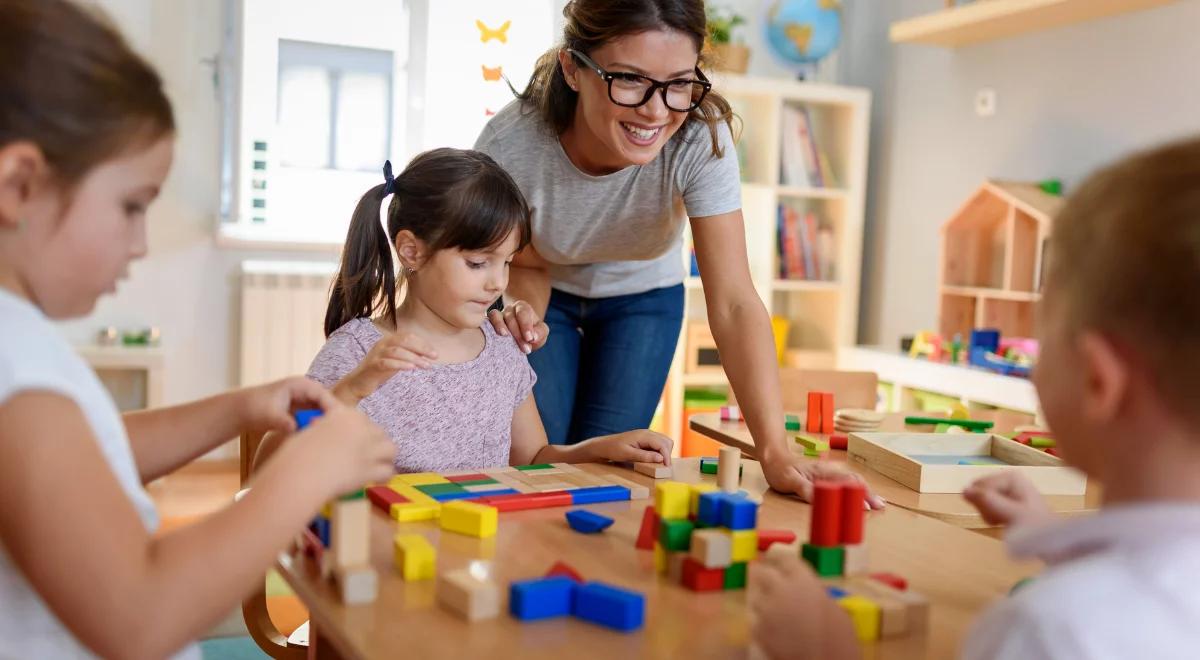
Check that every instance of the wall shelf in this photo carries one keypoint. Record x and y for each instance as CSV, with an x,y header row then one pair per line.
x,y
989,20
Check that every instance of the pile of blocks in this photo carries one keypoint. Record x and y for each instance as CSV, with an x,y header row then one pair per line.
x,y
821,414
1043,440
341,545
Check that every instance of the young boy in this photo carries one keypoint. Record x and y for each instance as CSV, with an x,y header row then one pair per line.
x,y
1119,381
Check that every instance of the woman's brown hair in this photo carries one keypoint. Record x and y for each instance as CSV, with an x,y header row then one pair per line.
x,y
590,24
70,84
448,198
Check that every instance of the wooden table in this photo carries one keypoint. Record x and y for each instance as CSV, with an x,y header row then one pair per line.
x,y
960,572
951,508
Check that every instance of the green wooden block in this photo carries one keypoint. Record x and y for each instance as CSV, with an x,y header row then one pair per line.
x,y
812,453
791,422
676,535
827,562
539,466
812,444
969,424
356,495
1041,443
708,467
477,482
941,428
440,489
735,576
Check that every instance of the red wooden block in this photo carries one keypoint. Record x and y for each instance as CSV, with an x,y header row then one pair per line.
x,y
467,477
826,514
522,501
768,536
312,545
649,531
814,413
827,412
565,570
698,578
384,497
1052,451
838,441
854,496
892,580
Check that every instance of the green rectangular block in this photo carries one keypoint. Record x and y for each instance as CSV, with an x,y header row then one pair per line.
x,y
539,466
440,489
356,495
676,535
735,576
708,467
812,444
826,562
1041,443
791,422
477,482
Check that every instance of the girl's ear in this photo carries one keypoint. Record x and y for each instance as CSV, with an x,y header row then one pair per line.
x,y
22,167
411,250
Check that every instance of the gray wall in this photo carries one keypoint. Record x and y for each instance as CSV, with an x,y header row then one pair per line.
x,y
1069,100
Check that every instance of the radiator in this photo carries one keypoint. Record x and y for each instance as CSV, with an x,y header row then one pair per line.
x,y
283,313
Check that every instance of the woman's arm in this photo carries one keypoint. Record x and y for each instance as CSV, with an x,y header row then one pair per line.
x,y
529,445
742,331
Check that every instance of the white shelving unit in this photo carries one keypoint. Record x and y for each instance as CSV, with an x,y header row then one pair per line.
x,y
132,374
823,315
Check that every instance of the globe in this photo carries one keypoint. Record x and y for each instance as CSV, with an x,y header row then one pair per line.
x,y
801,32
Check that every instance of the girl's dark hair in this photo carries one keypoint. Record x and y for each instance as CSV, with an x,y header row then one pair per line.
x,y
590,24
448,198
70,84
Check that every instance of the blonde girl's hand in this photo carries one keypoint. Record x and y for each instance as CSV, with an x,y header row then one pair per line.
x,y
1008,499
780,586
341,450
395,352
269,407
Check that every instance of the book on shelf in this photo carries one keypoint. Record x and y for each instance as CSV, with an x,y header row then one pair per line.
x,y
806,249
803,163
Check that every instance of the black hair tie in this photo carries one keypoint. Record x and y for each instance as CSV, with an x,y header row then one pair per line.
x,y
389,181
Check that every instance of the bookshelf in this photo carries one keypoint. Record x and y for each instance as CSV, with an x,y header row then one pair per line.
x,y
822,314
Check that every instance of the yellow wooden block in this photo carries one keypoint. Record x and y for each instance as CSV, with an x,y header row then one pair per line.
x,y
671,500
412,494
415,557
469,518
744,544
864,614
413,511
660,559
695,491
419,479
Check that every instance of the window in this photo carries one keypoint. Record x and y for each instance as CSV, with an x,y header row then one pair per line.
x,y
317,94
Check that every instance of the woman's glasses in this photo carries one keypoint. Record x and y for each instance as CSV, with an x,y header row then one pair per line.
x,y
632,90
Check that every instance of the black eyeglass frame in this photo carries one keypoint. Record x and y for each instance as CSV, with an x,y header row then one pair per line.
x,y
655,85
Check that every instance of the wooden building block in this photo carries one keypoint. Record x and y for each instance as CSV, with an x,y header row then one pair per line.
x,y
916,605
825,561
469,518
660,558
384,497
812,444
892,580
769,537
864,614
413,511
671,500
419,479
729,465
648,533
563,568
609,606
744,544
350,533
712,547
893,611
654,470
695,491
471,598
698,578
813,424
414,556
827,413
636,491
791,422
356,584
731,414
854,559
826,514
735,576
854,506
675,535
675,566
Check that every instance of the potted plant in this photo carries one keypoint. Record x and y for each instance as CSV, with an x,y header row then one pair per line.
x,y
727,56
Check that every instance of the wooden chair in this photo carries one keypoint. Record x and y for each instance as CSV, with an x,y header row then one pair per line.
x,y
851,389
254,608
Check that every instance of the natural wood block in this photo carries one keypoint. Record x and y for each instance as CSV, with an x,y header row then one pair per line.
x,y
654,470
350,532
472,598
675,566
636,491
855,559
356,584
712,547
729,463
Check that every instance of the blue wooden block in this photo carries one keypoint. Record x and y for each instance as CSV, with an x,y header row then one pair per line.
x,y
541,598
836,593
738,513
320,527
708,510
597,494
609,606
450,497
499,491
587,522
305,417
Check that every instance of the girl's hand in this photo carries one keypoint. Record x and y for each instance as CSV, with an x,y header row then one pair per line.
x,y
395,352
1010,499
519,320
341,450
269,407
792,474
639,446
792,616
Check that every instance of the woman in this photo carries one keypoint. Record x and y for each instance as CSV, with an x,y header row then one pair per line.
x,y
617,141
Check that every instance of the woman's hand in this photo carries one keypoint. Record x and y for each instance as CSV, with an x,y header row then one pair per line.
x,y
521,321
792,474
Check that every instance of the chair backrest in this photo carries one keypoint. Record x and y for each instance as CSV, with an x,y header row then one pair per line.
x,y
248,448
850,389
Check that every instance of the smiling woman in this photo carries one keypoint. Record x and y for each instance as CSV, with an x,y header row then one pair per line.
x,y
616,142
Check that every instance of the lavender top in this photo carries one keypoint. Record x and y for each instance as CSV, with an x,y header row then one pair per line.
x,y
448,417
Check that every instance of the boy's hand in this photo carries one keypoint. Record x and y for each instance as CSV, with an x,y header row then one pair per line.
x,y
791,614
395,352
269,407
342,449
792,474
639,446
1008,498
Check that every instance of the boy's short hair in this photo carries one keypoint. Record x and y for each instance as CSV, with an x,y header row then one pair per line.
x,y
1125,260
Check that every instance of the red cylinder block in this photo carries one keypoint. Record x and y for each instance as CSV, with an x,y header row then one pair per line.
x,y
826,514
854,497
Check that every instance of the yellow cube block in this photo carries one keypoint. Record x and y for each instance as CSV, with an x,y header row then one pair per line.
x,y
469,518
696,490
671,500
414,511
419,479
416,558
660,559
745,544
864,614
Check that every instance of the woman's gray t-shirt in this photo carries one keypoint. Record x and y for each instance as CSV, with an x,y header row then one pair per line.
x,y
620,233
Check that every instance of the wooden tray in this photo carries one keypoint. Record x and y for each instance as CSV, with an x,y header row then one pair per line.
x,y
928,462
